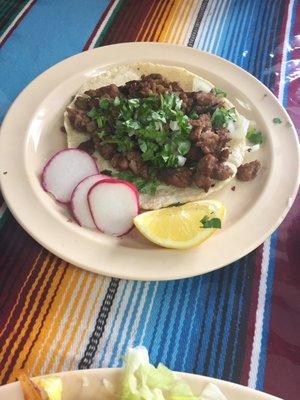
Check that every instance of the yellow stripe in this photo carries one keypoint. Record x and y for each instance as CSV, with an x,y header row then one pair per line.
x,y
73,362
61,351
183,22
160,25
51,331
78,322
177,24
169,23
37,326
14,345
20,293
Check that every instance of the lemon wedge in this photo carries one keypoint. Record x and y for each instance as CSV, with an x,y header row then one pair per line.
x,y
180,227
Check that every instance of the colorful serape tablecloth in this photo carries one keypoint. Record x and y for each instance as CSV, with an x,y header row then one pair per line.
x,y
241,323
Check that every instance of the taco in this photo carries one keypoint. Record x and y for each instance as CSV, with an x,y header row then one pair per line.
x,y
169,131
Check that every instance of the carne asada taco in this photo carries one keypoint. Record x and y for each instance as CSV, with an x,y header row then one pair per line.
x,y
167,130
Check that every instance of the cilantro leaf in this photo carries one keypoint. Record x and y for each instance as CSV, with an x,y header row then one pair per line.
x,y
210,222
277,120
219,92
222,116
254,136
104,103
143,186
193,115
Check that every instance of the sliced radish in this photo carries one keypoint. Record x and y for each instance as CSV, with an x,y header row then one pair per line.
x,y
113,204
79,202
65,170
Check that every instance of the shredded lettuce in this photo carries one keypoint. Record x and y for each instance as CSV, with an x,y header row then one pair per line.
x,y
143,381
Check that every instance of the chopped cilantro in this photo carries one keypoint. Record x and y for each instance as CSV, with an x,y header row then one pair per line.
x,y
222,116
143,185
219,92
193,115
210,222
155,125
254,136
277,120
104,103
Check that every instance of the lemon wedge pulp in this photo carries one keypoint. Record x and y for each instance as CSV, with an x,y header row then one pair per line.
x,y
179,227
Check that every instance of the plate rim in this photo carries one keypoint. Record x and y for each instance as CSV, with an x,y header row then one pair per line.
x,y
168,276
259,395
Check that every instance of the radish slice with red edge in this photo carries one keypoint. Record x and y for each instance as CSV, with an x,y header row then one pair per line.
x,y
79,201
65,170
113,204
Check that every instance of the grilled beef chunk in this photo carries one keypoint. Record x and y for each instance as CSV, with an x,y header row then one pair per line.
x,y
107,150
223,155
109,91
222,172
120,162
193,155
149,85
180,177
205,102
80,121
248,171
203,182
207,165
87,146
137,165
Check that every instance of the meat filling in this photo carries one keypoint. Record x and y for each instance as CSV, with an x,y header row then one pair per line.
x,y
248,171
208,148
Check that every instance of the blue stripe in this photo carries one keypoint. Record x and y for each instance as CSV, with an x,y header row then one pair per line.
x,y
267,313
158,338
47,34
116,313
230,302
114,359
238,323
217,331
189,323
133,314
208,322
138,340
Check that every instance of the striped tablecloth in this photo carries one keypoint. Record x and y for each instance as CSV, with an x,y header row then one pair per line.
x,y
240,323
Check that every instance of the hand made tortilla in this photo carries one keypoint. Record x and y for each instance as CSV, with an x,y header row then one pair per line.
x,y
165,194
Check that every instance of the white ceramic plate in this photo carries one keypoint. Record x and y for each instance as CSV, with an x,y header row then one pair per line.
x,y
87,385
30,134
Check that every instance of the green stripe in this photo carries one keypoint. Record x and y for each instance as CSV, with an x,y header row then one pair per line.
x,y
109,23
8,13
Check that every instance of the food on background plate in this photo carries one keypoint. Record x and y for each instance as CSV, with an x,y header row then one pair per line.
x,y
184,226
140,380
168,131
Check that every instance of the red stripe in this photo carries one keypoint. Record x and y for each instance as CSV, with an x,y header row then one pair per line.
x,y
131,34
122,22
157,22
17,23
293,105
46,313
251,317
33,320
90,39
27,311
283,361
